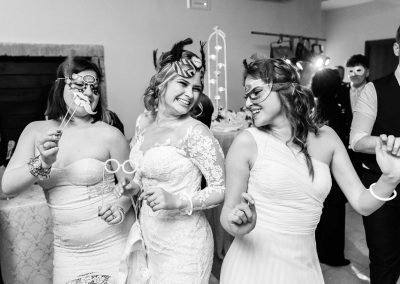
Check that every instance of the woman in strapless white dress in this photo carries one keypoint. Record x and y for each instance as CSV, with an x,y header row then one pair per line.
x,y
278,175
69,165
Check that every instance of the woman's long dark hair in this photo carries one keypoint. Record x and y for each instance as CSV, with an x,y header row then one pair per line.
x,y
56,106
297,101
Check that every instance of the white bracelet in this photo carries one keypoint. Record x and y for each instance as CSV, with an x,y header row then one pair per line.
x,y
371,190
185,196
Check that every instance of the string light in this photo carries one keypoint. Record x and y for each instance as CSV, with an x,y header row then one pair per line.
x,y
217,79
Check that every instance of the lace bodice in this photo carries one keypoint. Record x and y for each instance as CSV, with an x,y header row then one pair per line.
x,y
177,167
179,246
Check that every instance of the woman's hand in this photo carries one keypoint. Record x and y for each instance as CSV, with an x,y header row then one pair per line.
x,y
126,187
388,155
158,199
243,217
112,214
47,145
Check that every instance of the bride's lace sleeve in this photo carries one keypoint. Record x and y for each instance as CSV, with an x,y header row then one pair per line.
x,y
206,153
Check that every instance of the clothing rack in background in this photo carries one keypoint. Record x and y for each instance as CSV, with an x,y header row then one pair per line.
x,y
281,36
303,51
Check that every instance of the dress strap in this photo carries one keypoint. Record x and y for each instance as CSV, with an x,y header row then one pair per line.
x,y
261,139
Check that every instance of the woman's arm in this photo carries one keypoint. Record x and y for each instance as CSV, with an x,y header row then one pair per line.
x,y
17,176
120,151
359,197
242,153
206,153
114,212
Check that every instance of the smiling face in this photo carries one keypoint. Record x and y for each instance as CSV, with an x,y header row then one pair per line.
x,y
358,75
180,95
82,86
264,104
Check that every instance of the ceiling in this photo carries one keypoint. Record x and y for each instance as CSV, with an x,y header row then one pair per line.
x,y
335,4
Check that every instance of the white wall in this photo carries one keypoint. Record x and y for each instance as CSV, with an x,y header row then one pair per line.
x,y
131,29
347,29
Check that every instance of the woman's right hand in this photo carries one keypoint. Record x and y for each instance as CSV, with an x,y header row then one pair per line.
x,y
243,217
47,145
126,187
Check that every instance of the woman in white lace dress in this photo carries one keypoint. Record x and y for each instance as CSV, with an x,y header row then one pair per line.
x,y
171,152
282,167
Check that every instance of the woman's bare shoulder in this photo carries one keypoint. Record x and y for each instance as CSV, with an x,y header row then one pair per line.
x,y
41,126
323,144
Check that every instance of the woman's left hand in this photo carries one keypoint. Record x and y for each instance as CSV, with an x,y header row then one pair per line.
x,y
111,214
158,199
388,155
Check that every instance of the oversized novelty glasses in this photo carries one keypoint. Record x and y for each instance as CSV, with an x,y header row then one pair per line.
x,y
112,166
356,71
80,83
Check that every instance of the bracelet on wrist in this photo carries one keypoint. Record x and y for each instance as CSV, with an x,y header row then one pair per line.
x,y
122,212
384,199
37,170
188,210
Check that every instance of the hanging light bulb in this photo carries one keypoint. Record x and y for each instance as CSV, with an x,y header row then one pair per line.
x,y
218,47
220,65
217,73
318,62
217,97
212,81
327,61
213,57
221,89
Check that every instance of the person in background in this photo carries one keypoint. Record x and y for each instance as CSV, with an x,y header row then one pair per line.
x,y
358,70
330,232
68,160
278,176
340,70
115,121
203,110
376,112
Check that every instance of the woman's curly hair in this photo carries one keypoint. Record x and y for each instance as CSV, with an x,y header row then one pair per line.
x,y
297,101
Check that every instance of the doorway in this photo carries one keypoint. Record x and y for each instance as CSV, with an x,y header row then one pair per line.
x,y
27,72
25,83
382,60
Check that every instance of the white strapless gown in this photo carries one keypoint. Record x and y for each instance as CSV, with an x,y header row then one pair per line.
x,y
281,249
86,248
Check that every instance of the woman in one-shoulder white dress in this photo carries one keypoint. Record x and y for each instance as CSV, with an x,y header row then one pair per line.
x,y
278,176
